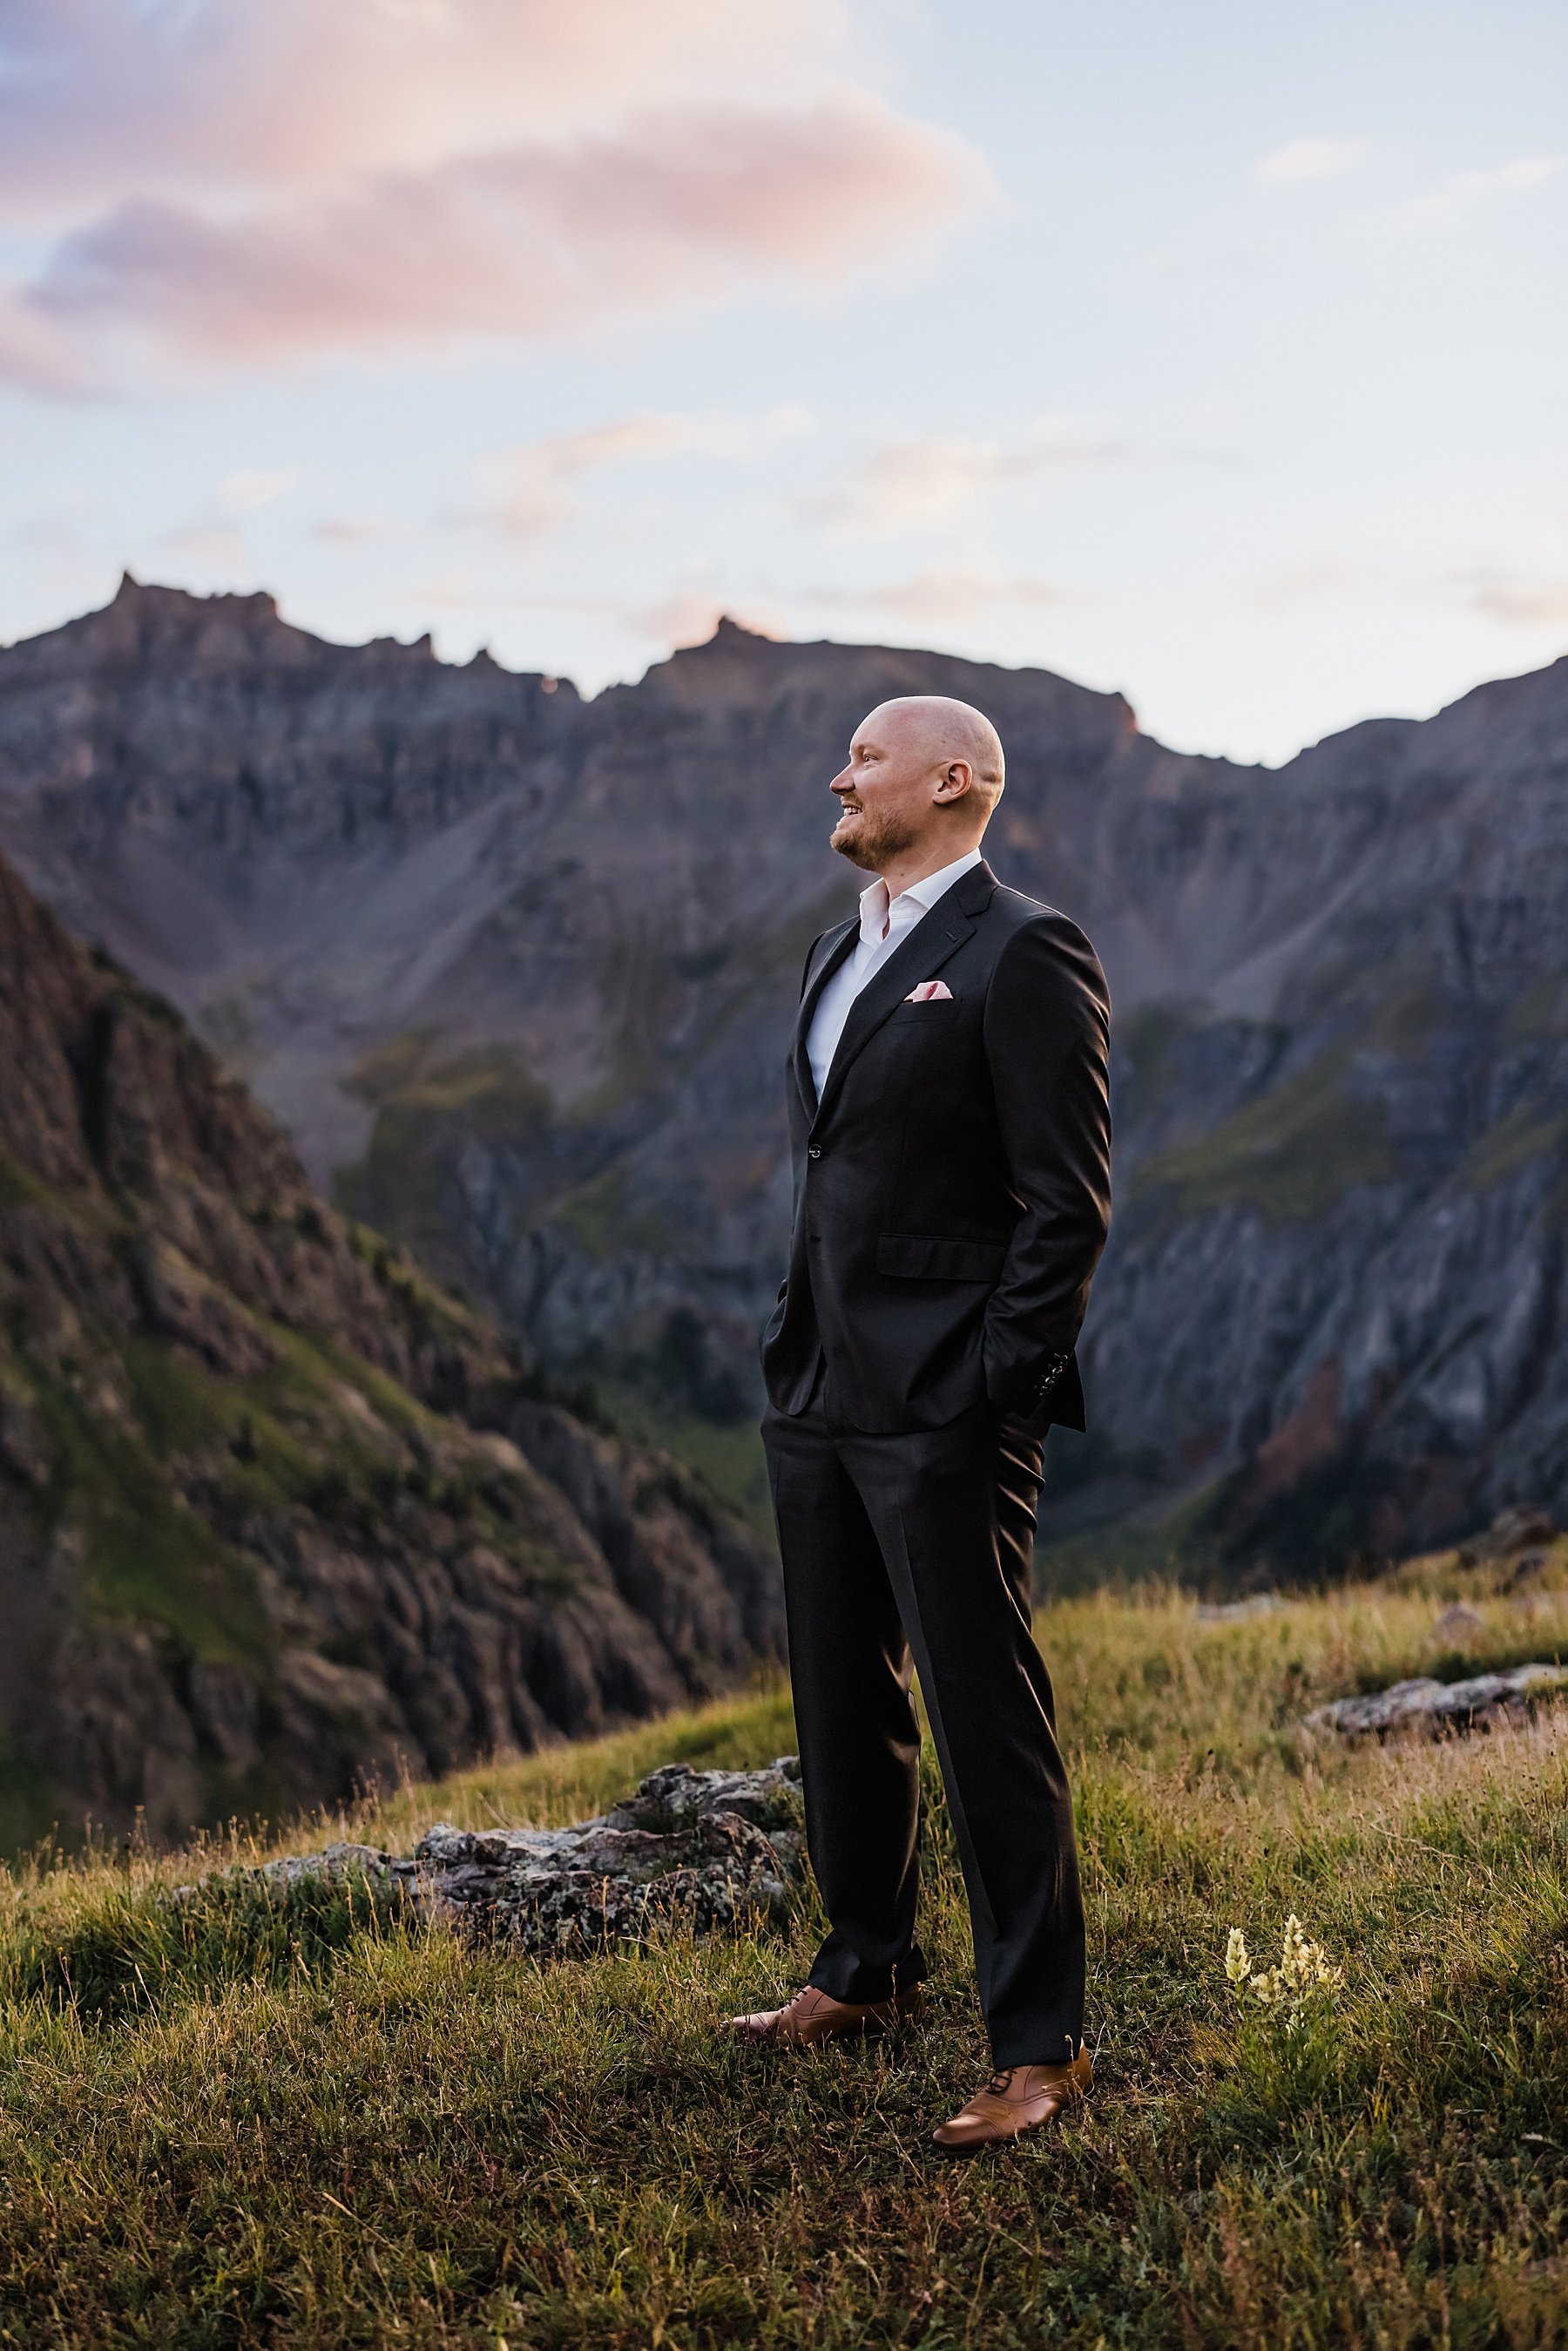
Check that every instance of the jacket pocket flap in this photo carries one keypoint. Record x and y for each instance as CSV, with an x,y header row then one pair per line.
x,y
931,1257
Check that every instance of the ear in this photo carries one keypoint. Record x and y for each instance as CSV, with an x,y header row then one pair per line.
x,y
953,781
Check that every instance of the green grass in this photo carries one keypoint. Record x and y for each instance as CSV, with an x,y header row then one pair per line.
x,y
729,1460
20,1188
1291,1155
1525,1135
1542,1009
427,1107
594,1216
146,1555
153,1485
117,1475
323,2129
734,972
633,980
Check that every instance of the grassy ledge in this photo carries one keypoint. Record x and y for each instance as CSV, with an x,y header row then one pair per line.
x,y
352,2134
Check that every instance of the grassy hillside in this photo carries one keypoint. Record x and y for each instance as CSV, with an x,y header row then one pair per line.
x,y
348,2134
279,1519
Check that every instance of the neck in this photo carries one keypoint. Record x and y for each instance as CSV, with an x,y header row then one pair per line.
x,y
901,873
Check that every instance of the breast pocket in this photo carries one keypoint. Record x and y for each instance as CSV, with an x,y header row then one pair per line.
x,y
926,1046
939,1012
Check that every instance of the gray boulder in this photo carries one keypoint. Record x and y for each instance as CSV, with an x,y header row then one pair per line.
x,y
1426,1707
710,1850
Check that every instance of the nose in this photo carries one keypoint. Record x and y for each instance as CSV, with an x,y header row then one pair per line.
x,y
842,780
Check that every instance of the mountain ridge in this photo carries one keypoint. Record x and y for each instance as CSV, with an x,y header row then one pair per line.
x,y
516,969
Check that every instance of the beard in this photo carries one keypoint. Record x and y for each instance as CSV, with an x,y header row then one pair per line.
x,y
872,840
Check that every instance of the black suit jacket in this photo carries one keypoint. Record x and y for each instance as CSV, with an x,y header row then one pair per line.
x,y
952,1186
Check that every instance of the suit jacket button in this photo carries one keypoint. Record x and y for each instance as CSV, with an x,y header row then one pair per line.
x,y
814,1150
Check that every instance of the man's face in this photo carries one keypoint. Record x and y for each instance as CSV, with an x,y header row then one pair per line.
x,y
884,792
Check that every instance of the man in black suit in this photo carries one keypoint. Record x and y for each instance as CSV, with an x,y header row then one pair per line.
x,y
949,1125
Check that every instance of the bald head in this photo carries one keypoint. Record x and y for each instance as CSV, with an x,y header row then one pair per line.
x,y
946,733
923,776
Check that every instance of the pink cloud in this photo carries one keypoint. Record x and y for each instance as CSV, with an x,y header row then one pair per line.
x,y
689,616
1447,206
1300,160
531,489
100,101
350,530
940,594
37,355
1520,601
911,483
1319,575
533,486
212,546
254,182
666,208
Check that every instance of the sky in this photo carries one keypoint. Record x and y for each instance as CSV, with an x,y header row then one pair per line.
x,y
1213,353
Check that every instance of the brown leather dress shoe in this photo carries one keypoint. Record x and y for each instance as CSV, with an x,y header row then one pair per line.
x,y
813,2016
1014,2101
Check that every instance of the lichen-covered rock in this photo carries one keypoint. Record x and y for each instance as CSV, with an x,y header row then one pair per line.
x,y
709,1850
1428,1708
335,1861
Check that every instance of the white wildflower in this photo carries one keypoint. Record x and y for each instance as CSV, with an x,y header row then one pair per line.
x,y
1303,1975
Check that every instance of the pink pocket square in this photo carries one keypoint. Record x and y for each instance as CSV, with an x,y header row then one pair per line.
x,y
931,991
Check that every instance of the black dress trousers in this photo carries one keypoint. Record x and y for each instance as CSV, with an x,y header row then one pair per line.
x,y
913,1551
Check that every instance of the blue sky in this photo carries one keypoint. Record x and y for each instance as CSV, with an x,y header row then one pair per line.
x,y
1216,353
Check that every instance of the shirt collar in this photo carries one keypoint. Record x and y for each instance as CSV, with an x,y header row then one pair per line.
x,y
928,891
876,906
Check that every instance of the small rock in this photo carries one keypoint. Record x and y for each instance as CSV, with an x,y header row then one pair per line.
x,y
1236,1612
1432,1706
1526,1569
339,1860
1518,1529
1459,1623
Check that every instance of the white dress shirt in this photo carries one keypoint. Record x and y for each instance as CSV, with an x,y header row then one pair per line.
x,y
884,921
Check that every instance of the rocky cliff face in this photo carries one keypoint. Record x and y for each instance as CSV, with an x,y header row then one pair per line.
x,y
278,1514
517,971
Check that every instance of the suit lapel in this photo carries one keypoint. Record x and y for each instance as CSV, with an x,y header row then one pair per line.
x,y
921,955
832,948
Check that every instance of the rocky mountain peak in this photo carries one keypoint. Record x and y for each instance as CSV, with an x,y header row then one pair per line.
x,y
151,622
729,634
146,629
